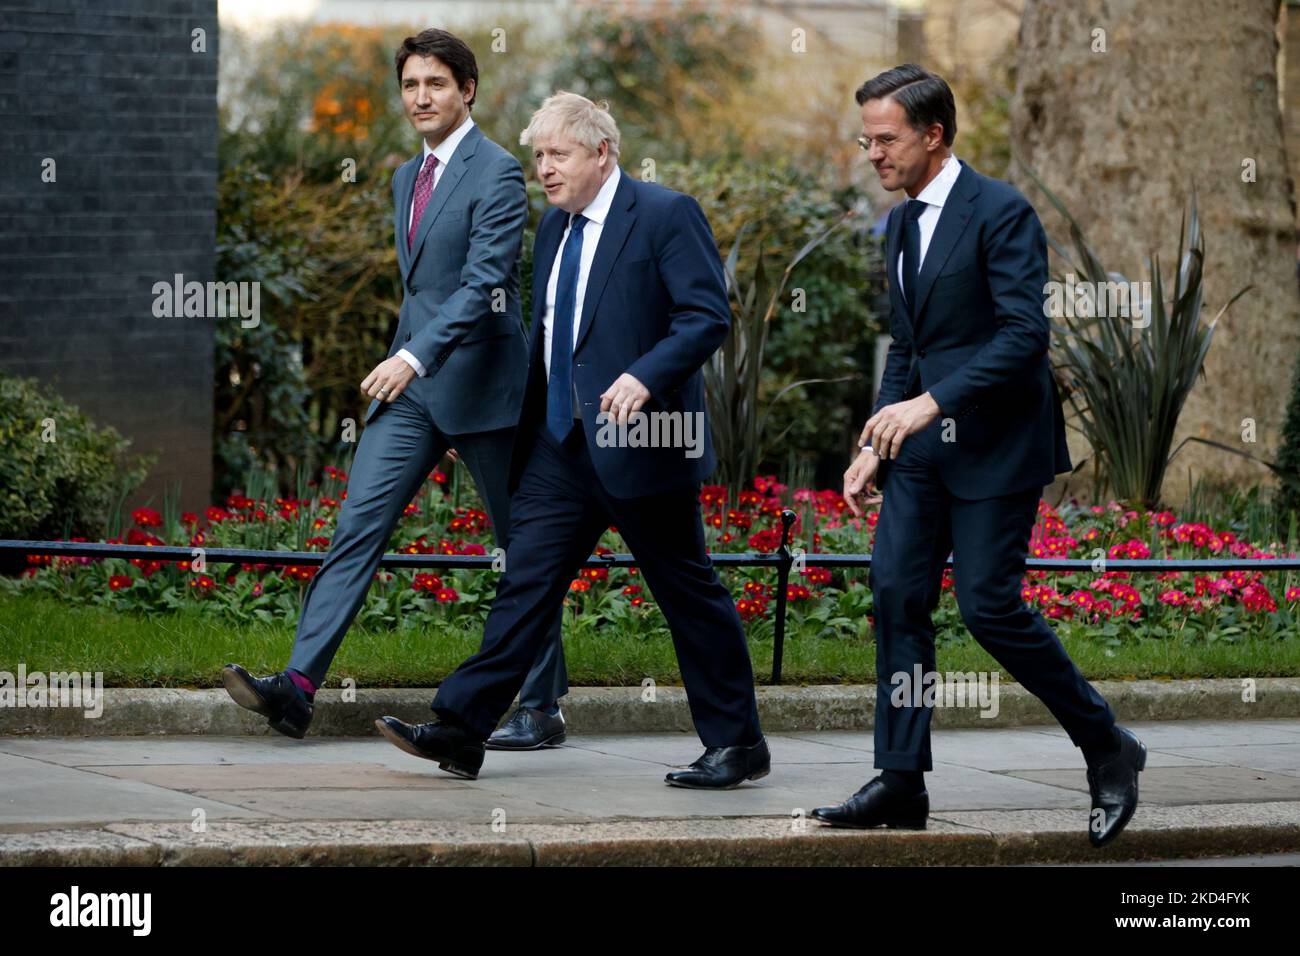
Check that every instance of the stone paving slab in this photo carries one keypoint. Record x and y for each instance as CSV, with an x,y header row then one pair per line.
x,y
1015,795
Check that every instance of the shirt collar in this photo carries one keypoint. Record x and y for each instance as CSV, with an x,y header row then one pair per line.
x,y
936,191
598,208
447,148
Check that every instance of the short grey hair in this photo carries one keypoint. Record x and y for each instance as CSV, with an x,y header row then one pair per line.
x,y
582,120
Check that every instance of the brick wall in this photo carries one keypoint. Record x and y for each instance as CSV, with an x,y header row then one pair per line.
x,y
111,91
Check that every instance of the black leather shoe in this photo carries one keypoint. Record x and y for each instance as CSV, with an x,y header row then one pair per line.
x,y
457,750
723,768
528,729
284,704
875,805
1113,783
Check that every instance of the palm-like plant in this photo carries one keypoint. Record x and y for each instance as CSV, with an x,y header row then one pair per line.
x,y
1127,381
733,373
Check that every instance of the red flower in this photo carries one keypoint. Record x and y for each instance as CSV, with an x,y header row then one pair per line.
x,y
817,575
203,584
447,595
147,518
120,582
427,582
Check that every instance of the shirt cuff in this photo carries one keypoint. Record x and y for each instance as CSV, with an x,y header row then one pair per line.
x,y
412,361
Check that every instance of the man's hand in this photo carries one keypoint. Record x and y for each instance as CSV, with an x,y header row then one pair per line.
x,y
859,482
886,430
388,379
625,396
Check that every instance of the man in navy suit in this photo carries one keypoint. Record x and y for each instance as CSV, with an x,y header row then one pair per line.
x,y
629,301
965,433
453,378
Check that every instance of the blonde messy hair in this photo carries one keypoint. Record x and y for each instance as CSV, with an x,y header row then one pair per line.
x,y
577,117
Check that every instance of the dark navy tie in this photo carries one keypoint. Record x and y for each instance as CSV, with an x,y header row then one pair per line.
x,y
911,250
559,387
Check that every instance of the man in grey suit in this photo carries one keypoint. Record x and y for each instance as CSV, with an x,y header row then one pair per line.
x,y
453,379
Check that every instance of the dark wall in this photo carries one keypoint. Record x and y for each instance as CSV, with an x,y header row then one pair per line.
x,y
113,93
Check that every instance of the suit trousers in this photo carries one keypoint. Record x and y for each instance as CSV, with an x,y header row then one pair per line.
x,y
398,449
920,524
558,514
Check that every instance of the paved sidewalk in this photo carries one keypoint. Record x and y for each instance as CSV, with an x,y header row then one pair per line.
x,y
1003,795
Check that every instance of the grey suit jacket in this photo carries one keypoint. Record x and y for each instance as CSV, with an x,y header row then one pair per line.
x,y
460,311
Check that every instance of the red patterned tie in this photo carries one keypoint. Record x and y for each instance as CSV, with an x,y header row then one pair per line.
x,y
423,189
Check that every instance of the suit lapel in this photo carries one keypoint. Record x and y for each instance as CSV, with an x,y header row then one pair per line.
x,y
405,177
545,249
447,182
613,234
956,214
893,237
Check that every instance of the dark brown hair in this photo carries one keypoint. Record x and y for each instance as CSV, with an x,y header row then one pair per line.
x,y
447,47
924,96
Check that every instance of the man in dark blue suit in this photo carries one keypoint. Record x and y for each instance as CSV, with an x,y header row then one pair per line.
x,y
629,301
965,433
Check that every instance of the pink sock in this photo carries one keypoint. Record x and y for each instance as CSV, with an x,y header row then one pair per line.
x,y
307,686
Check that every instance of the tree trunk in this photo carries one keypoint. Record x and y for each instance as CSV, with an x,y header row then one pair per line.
x,y
1185,95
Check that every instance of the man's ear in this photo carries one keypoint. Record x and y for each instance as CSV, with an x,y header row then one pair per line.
x,y
468,91
933,137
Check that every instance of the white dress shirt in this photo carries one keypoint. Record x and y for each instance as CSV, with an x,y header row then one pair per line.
x,y
596,212
934,195
446,149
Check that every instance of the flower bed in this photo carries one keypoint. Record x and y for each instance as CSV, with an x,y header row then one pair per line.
x,y
1109,604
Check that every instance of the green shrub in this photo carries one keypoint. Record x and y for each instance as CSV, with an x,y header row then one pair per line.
x,y
61,473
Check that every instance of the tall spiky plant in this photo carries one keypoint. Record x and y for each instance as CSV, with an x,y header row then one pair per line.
x,y
733,373
1128,380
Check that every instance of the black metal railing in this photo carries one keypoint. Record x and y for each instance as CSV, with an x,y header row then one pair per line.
x,y
783,559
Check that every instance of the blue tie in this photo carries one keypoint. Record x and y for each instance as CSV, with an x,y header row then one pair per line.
x,y
559,387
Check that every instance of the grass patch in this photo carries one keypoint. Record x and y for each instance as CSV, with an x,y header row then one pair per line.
x,y
187,649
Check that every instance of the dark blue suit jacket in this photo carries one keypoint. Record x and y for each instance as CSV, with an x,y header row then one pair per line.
x,y
656,307
979,342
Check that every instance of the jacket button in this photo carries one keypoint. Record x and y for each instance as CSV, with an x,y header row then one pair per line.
x,y
921,352
408,336
413,289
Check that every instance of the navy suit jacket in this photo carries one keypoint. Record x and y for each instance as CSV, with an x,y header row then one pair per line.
x,y
978,342
656,307
460,310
